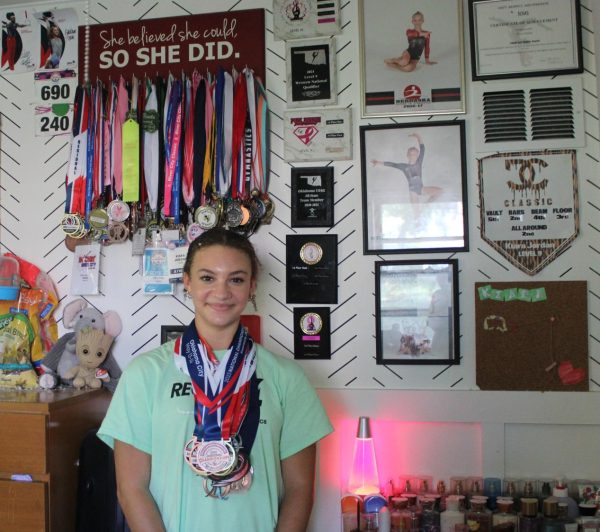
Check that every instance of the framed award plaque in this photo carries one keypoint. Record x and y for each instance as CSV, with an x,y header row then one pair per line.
x,y
312,197
311,269
312,333
311,72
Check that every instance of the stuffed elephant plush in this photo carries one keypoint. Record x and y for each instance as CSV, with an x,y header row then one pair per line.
x,y
60,360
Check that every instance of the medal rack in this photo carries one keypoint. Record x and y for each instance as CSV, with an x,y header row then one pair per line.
x,y
186,153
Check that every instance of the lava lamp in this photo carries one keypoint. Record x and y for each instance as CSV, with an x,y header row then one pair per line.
x,y
364,479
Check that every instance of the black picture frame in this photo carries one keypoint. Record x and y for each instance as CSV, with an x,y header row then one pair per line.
x,y
171,332
555,50
414,187
312,333
312,196
417,314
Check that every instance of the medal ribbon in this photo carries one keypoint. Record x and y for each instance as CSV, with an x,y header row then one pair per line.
x,y
199,140
221,389
131,149
119,119
151,149
240,113
91,145
172,152
76,173
188,152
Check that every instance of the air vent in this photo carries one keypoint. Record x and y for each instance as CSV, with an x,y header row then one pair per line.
x,y
537,114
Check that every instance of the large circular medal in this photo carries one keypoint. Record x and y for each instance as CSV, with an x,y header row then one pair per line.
x,y
234,214
98,218
215,457
311,253
118,210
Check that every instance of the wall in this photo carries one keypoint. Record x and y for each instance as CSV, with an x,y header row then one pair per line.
x,y
31,203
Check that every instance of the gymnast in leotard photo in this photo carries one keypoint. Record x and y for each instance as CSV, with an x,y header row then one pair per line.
x,y
418,42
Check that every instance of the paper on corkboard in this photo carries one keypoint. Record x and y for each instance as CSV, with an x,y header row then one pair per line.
x,y
532,336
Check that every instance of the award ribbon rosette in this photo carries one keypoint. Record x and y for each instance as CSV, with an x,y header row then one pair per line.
x,y
221,400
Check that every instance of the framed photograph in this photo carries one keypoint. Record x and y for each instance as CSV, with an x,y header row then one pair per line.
x,y
312,196
171,332
417,312
299,19
310,67
414,187
411,57
528,38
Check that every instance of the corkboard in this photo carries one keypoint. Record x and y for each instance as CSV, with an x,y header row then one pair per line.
x,y
537,344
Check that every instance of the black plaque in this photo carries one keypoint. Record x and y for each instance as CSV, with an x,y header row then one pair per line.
x,y
311,73
312,333
312,197
311,269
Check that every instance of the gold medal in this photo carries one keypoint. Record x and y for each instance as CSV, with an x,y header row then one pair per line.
x,y
73,225
98,218
311,253
311,323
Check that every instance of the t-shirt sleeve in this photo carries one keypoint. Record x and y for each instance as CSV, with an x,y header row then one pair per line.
x,y
305,420
129,415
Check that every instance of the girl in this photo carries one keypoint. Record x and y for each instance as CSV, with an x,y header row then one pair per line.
x,y
213,413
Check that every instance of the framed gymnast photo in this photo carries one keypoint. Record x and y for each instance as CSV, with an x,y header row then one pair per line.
x,y
414,187
514,40
412,58
417,318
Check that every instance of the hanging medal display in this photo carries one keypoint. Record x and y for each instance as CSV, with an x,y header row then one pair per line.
x,y
187,153
221,401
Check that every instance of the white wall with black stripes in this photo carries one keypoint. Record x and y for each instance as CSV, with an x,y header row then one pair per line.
x,y
32,173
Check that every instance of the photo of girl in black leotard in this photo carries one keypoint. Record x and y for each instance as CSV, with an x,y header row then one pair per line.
x,y
418,42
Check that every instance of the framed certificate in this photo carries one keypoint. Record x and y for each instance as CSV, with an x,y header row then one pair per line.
x,y
310,66
312,196
525,38
417,312
411,57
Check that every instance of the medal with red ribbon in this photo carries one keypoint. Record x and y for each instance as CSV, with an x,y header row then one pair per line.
x,y
222,398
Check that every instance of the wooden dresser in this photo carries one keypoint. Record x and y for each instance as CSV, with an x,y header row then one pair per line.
x,y
40,436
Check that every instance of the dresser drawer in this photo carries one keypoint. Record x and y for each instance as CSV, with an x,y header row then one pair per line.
x,y
23,443
23,506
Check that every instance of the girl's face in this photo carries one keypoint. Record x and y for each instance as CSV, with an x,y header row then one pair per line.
x,y
412,155
219,283
418,20
54,31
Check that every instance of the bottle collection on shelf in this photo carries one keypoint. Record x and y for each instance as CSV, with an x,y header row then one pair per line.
x,y
475,504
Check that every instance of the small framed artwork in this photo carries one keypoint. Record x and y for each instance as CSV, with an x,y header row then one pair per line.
x,y
414,187
510,40
417,318
310,66
312,196
411,57
300,19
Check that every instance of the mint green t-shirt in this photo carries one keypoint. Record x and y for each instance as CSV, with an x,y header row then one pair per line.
x,y
152,410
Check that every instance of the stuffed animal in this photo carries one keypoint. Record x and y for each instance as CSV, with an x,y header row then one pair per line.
x,y
77,315
92,350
